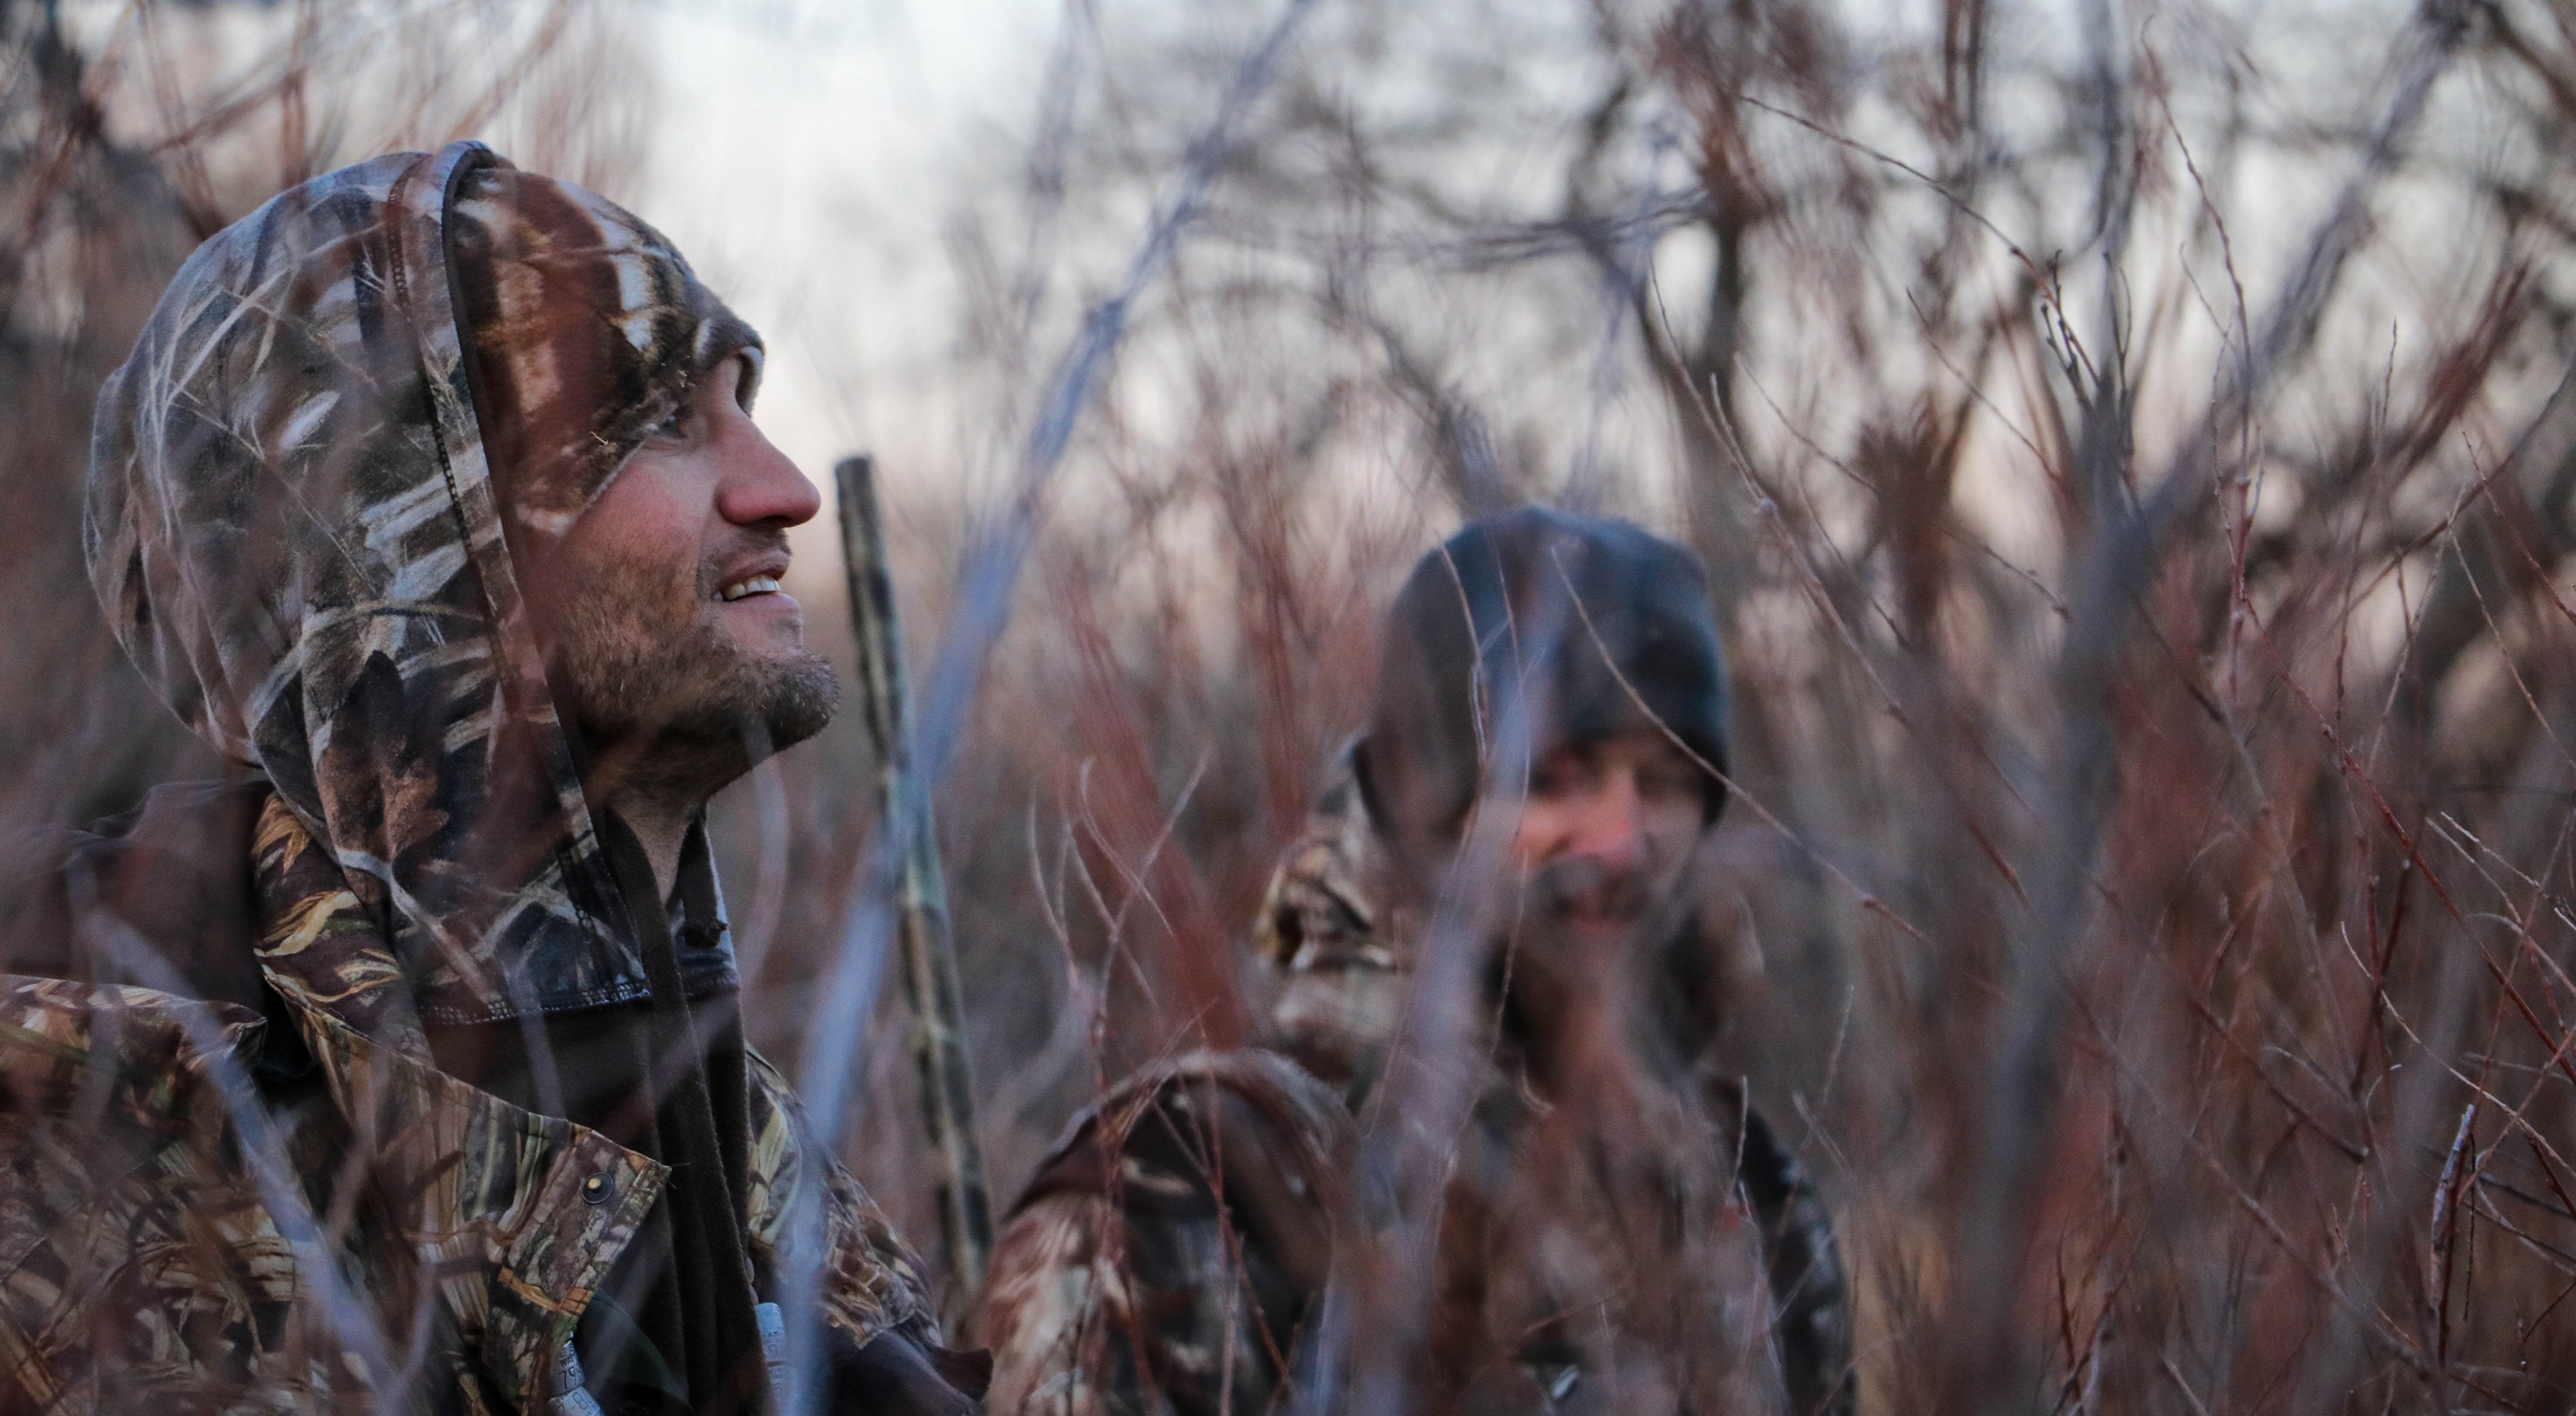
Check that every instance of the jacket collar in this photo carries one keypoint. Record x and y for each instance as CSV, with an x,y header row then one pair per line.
x,y
533,1208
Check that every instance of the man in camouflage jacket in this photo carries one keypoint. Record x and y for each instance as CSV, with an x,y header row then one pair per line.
x,y
1618,1230
404,1072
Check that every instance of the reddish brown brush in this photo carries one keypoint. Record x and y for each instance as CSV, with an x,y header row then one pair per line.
x,y
2156,682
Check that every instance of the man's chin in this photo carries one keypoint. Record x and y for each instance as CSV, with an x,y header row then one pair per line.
x,y
757,708
797,700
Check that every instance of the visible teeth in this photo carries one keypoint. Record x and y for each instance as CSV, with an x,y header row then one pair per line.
x,y
757,585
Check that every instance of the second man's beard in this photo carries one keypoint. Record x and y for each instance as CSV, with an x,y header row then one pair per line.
x,y
1584,889
1580,959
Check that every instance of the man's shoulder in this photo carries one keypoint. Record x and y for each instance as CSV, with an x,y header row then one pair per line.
x,y
55,1031
1177,1129
1321,910
1238,1152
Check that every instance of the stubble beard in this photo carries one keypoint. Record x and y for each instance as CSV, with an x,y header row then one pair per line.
x,y
1567,892
1581,933
662,686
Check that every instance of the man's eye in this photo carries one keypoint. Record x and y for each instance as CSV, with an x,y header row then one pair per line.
x,y
674,428
1668,782
1559,779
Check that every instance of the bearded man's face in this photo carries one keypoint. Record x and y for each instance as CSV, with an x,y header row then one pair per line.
x,y
1606,832
1600,857
672,633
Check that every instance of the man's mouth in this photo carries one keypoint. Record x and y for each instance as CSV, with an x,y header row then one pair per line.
x,y
1584,893
754,585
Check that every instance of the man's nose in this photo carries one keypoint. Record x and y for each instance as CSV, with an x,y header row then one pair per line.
x,y
1612,832
761,485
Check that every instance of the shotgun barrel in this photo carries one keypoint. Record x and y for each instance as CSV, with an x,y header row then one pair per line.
x,y
921,894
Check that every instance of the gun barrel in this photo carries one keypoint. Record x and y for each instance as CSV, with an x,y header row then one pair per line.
x,y
921,903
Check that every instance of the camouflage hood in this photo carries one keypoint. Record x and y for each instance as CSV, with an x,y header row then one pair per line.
x,y
301,531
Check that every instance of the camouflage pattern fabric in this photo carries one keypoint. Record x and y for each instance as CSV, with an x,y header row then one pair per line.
x,y
407,1244
588,330
185,1222
294,527
867,1279
1341,967
1139,1276
1168,1254
1589,1269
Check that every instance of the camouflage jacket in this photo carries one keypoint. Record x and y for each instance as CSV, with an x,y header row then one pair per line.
x,y
1169,1256
235,1179
249,1204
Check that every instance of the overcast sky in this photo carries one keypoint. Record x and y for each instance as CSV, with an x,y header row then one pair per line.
x,y
803,155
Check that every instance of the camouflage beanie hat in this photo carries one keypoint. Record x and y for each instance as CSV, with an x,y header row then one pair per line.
x,y
1611,627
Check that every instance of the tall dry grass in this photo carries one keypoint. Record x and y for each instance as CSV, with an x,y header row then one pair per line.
x,y
2134,450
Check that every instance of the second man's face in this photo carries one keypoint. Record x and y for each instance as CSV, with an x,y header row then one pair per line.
x,y
672,623
1607,832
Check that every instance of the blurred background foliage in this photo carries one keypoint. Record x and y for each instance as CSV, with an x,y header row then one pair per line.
x,y
2132,440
